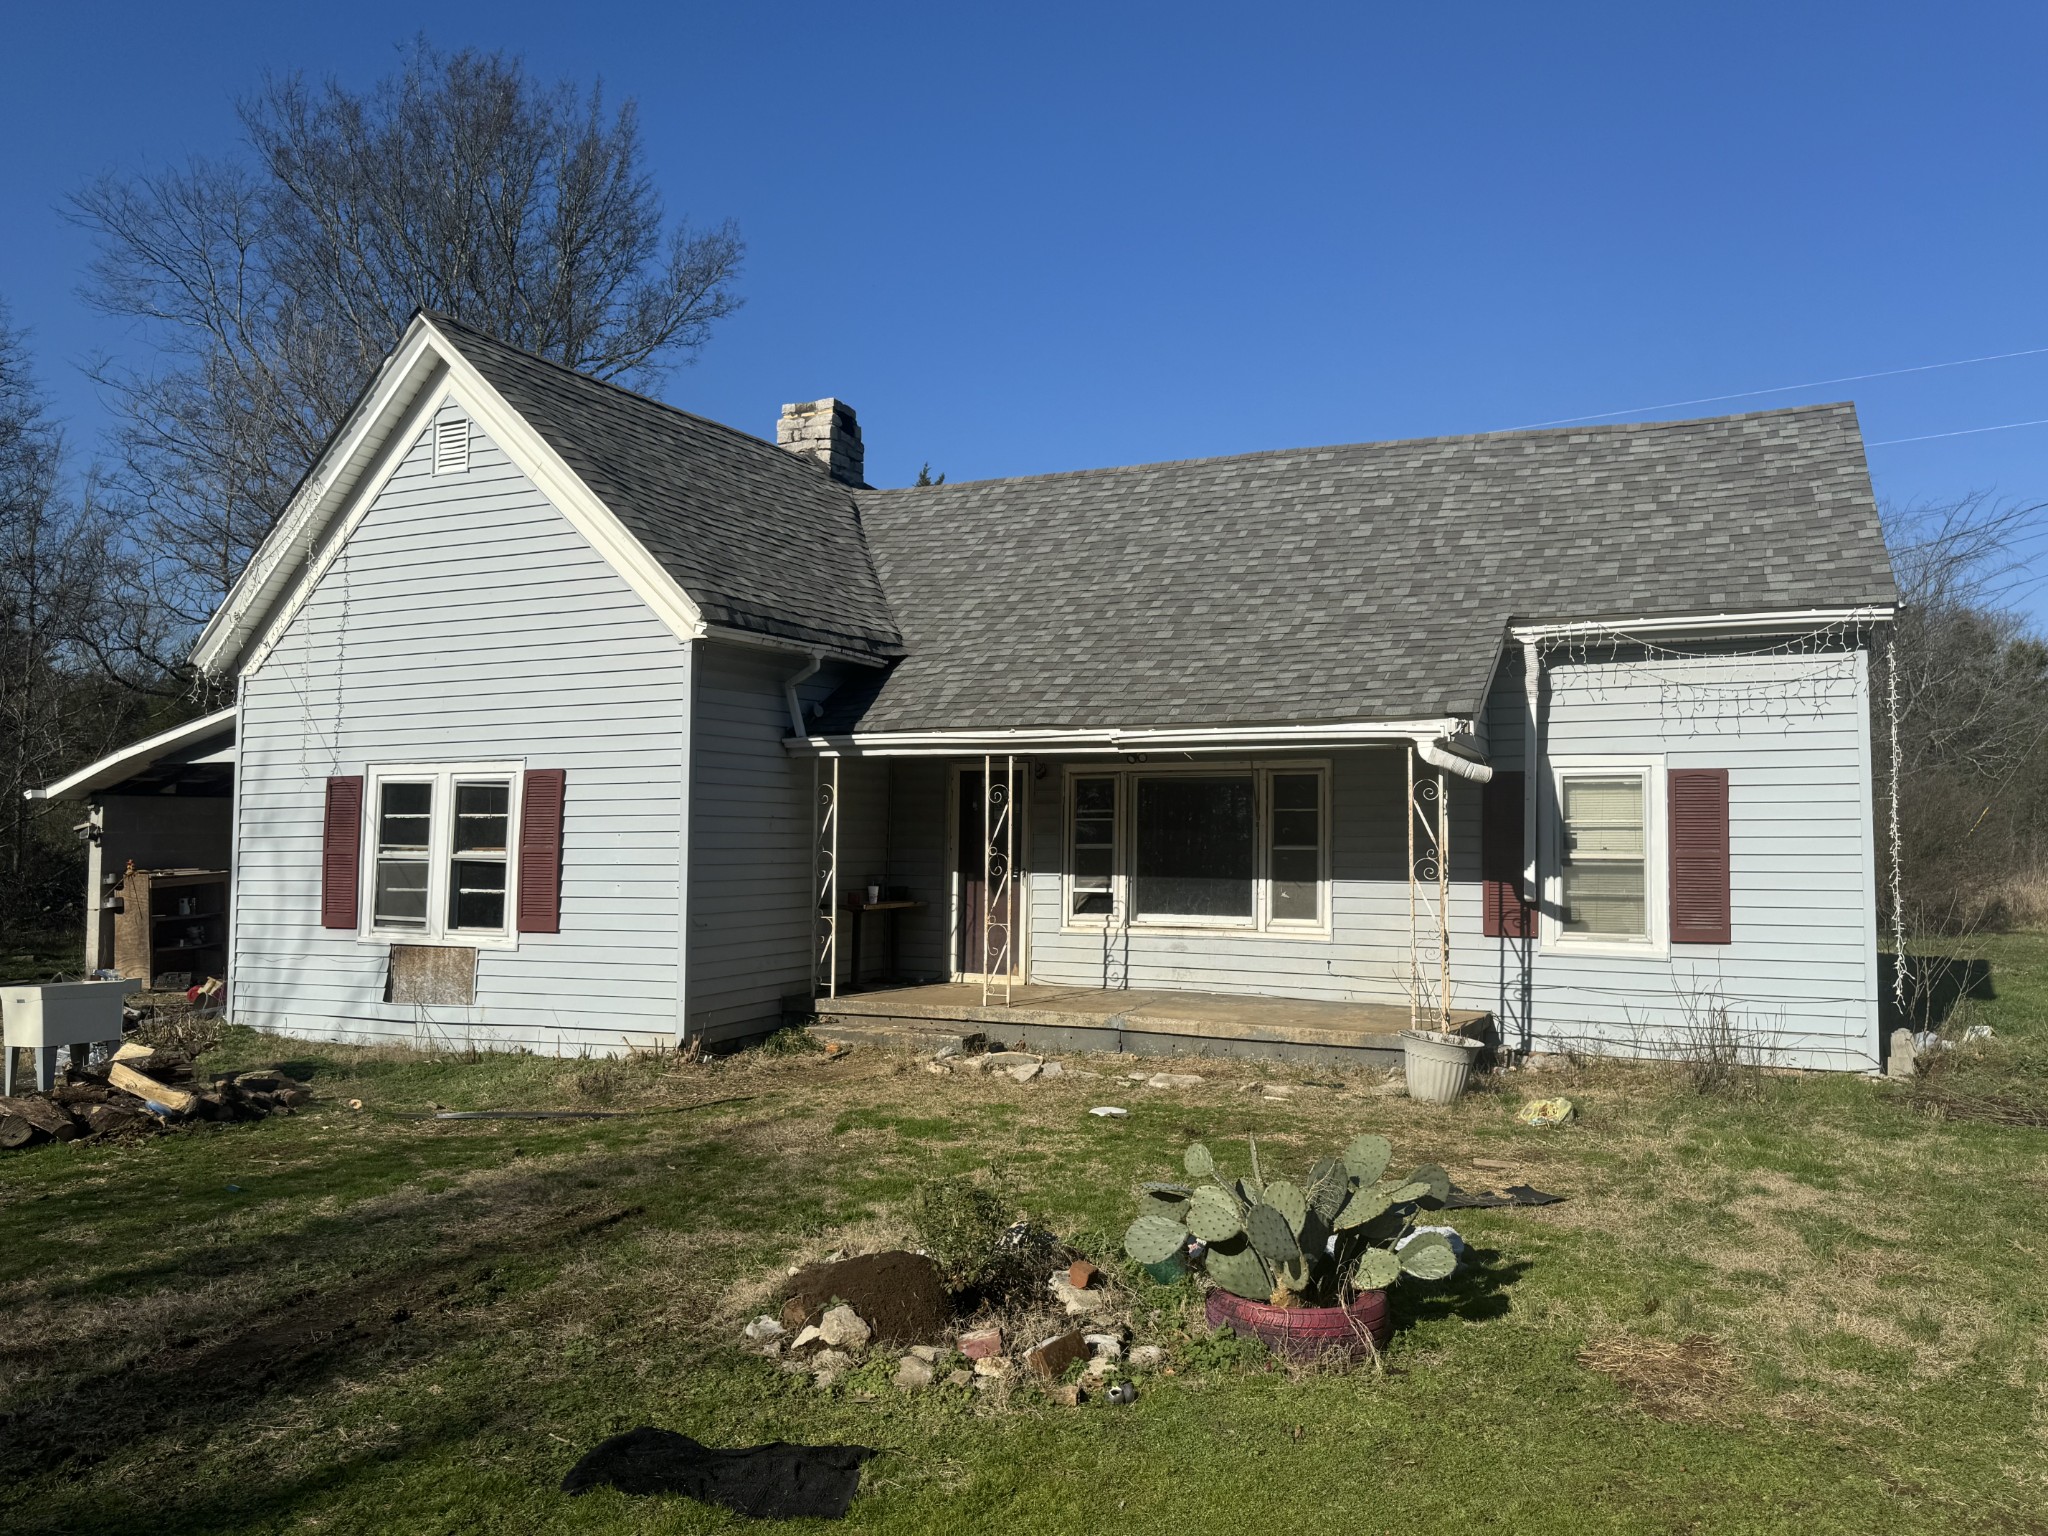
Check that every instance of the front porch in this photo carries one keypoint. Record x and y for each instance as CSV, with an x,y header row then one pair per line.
x,y
1291,904
1131,1021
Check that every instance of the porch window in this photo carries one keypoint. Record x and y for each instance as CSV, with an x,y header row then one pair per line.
x,y
1094,847
1604,864
1295,848
1224,846
442,852
1196,848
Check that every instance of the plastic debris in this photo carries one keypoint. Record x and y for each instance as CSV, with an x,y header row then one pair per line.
x,y
1541,1112
1109,1112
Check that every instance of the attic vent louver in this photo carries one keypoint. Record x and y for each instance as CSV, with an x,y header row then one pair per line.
x,y
451,445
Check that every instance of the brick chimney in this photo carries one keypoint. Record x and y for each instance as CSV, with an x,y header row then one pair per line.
x,y
828,431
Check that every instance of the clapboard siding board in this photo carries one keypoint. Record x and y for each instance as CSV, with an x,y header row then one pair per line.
x,y
467,621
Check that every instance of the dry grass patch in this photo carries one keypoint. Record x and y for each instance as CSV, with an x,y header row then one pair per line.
x,y
1677,1380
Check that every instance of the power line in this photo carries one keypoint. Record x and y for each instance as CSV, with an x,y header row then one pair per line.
x,y
1928,437
1784,389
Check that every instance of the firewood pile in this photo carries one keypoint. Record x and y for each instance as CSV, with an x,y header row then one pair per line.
x,y
140,1090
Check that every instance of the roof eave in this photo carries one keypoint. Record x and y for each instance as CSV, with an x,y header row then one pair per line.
x,y
130,760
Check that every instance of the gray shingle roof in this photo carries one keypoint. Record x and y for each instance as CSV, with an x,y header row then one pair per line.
x,y
761,539
1369,582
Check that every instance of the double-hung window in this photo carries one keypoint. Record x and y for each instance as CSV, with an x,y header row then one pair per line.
x,y
442,856
1206,847
1608,855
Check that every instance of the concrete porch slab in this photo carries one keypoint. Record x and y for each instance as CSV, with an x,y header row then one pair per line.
x,y
1148,1022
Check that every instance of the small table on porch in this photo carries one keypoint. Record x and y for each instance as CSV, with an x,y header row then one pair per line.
x,y
860,909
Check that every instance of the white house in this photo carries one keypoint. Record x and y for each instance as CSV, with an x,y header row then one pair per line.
x,y
567,720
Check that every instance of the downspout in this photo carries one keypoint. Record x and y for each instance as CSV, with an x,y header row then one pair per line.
x,y
1532,762
790,685
1452,762
686,871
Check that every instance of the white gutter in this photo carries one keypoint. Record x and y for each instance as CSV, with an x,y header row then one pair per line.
x,y
1793,619
790,685
1125,739
761,642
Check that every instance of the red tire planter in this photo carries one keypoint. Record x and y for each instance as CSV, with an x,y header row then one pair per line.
x,y
1305,1333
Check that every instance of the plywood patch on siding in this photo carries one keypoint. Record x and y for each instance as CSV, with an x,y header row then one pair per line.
x,y
440,974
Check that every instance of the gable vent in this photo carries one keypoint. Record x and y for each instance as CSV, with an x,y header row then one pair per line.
x,y
451,445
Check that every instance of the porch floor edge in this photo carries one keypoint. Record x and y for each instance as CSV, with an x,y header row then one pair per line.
x,y
1148,1022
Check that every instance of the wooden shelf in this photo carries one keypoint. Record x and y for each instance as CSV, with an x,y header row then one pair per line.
x,y
140,925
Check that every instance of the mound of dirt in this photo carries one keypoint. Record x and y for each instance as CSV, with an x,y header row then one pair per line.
x,y
899,1295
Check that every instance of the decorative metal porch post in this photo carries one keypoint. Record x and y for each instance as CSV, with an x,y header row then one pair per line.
x,y
825,864
998,860
1429,864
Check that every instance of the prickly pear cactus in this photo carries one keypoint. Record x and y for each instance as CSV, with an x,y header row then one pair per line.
x,y
1154,1239
1286,1198
1377,1269
1363,1207
1213,1216
1428,1257
1367,1157
1437,1181
1237,1268
1329,1185
1271,1235
1292,1243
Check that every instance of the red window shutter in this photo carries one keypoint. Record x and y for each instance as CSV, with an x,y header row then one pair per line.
x,y
341,852
540,851
1702,908
1507,915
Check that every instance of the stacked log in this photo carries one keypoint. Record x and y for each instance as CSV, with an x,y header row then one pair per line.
x,y
141,1090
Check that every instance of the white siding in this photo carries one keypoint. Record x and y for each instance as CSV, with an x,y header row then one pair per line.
x,y
1800,979
466,620
751,842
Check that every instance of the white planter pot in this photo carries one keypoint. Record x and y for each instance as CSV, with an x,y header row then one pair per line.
x,y
1437,1065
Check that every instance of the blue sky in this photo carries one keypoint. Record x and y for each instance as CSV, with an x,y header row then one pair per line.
x,y
1040,238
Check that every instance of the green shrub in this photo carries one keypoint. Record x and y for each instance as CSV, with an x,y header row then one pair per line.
x,y
960,1222
790,1040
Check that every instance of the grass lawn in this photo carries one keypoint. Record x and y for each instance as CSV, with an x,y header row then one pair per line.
x,y
1799,1305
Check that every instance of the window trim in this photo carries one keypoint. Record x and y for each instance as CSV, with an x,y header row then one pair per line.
x,y
1656,944
440,853
1261,923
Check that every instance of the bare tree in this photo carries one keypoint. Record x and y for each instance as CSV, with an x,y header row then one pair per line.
x,y
1971,680
274,282
56,709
